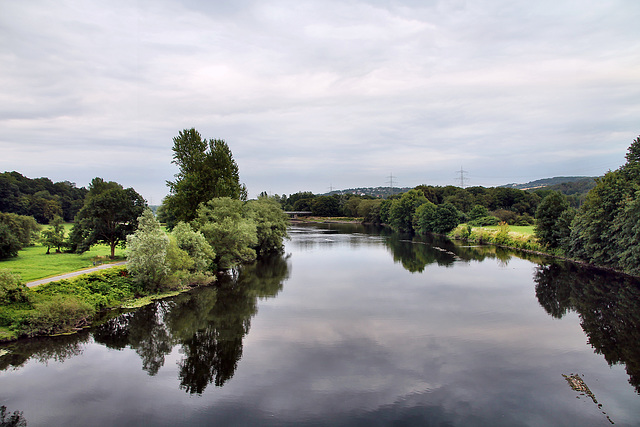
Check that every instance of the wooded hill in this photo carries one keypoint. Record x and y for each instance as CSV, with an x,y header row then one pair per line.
x,y
40,198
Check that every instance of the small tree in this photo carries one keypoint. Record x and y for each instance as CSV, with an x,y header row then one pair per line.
x,y
53,237
147,252
195,245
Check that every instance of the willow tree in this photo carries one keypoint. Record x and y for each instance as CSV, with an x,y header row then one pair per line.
x,y
206,170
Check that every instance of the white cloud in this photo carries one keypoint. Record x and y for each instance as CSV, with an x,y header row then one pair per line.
x,y
307,91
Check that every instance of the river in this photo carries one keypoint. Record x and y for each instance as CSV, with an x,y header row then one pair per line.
x,y
352,326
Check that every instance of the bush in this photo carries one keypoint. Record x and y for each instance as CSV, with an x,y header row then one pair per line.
x,y
11,289
56,315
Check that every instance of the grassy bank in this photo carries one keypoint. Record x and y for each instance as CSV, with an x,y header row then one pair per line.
x,y
518,237
66,306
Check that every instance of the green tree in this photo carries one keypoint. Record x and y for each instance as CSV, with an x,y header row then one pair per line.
x,y
16,232
9,243
447,218
271,224
147,252
478,212
206,170
402,210
549,229
369,211
439,219
53,237
109,214
325,206
232,236
195,245
604,228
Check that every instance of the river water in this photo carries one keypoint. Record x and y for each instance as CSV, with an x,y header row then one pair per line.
x,y
352,327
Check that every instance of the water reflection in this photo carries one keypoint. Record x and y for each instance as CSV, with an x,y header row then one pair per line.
x,y
415,253
608,306
58,349
209,324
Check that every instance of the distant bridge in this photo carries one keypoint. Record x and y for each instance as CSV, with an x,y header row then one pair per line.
x,y
296,214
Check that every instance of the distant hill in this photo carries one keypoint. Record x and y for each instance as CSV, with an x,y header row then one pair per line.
x,y
549,182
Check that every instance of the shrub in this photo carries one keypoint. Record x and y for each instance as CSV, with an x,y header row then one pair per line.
x,y
11,289
56,315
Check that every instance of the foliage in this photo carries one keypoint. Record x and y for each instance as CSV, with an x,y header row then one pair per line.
x,y
477,212
230,233
439,219
325,206
11,288
40,197
56,315
502,236
195,245
23,227
550,229
207,170
147,252
63,306
369,211
54,235
271,225
9,243
604,230
402,210
109,214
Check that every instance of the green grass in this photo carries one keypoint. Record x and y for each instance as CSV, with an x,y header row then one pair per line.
x,y
527,230
33,263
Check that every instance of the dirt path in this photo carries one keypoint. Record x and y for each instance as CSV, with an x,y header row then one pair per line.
x,y
74,274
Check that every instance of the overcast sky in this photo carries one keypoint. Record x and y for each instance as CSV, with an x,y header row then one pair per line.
x,y
317,94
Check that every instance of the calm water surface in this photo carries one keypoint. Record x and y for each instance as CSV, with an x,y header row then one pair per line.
x,y
352,327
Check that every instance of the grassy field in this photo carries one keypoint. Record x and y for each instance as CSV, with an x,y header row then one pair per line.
x,y
33,263
527,230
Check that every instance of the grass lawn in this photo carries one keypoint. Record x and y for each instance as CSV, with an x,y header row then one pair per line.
x,y
33,263
527,230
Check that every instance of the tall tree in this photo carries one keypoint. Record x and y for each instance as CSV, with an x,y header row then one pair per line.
x,y
550,230
604,230
207,170
109,214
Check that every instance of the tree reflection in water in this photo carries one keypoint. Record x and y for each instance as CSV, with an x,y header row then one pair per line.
x,y
209,324
608,305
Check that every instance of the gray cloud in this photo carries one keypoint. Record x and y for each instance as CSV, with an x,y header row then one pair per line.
x,y
311,94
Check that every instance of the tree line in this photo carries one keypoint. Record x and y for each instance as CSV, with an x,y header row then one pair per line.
x,y
605,230
40,198
211,225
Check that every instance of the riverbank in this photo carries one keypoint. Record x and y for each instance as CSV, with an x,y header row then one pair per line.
x,y
502,236
326,220
69,305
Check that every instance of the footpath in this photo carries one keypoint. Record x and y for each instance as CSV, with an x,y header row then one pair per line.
x,y
74,274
